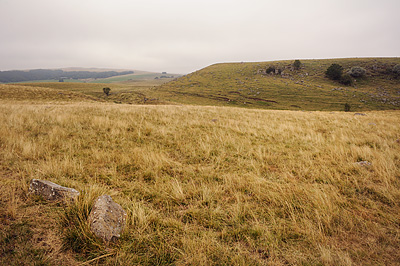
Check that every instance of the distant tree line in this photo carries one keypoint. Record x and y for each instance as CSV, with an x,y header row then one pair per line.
x,y
45,74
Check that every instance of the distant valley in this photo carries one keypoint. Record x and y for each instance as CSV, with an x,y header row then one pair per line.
x,y
74,74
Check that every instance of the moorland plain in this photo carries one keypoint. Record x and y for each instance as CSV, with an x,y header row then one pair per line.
x,y
202,185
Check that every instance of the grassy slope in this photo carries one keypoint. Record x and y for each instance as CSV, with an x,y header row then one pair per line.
x,y
124,89
125,92
242,85
202,185
38,94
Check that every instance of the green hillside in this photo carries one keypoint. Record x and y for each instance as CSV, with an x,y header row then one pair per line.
x,y
248,85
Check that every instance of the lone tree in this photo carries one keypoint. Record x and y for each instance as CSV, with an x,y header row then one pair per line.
x,y
297,64
334,72
107,91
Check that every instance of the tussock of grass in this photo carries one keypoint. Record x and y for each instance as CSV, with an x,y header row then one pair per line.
x,y
75,227
213,185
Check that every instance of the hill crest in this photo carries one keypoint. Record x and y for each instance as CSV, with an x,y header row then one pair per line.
x,y
251,85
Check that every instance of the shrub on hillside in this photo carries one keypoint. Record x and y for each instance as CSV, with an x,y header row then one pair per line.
x,y
346,79
396,70
347,107
334,72
297,64
270,70
106,91
357,72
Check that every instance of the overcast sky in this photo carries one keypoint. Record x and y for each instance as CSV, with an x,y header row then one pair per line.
x,y
181,36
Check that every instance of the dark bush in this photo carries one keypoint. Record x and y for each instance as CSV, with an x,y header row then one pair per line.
x,y
297,64
270,70
347,107
346,79
106,91
396,70
334,72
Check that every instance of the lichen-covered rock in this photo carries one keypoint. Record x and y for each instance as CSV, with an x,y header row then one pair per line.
x,y
107,219
52,191
364,163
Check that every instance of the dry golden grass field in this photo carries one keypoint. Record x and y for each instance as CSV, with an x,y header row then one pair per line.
x,y
201,185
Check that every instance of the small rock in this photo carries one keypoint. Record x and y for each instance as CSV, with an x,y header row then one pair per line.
x,y
360,114
364,163
214,120
107,219
52,191
372,124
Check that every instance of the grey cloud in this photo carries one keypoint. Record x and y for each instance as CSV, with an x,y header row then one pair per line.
x,y
182,36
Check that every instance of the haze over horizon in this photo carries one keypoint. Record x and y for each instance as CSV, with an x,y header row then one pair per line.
x,y
180,36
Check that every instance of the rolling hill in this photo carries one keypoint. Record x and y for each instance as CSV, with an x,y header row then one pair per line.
x,y
249,85
31,94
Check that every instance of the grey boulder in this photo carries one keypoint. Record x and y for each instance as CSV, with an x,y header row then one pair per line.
x,y
51,191
107,219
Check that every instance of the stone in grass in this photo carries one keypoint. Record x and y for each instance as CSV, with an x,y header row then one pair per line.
x,y
51,191
107,219
364,163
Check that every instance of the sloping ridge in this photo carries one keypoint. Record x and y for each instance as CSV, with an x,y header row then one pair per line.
x,y
278,85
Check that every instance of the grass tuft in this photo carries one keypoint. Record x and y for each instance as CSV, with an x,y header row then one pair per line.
x,y
75,226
